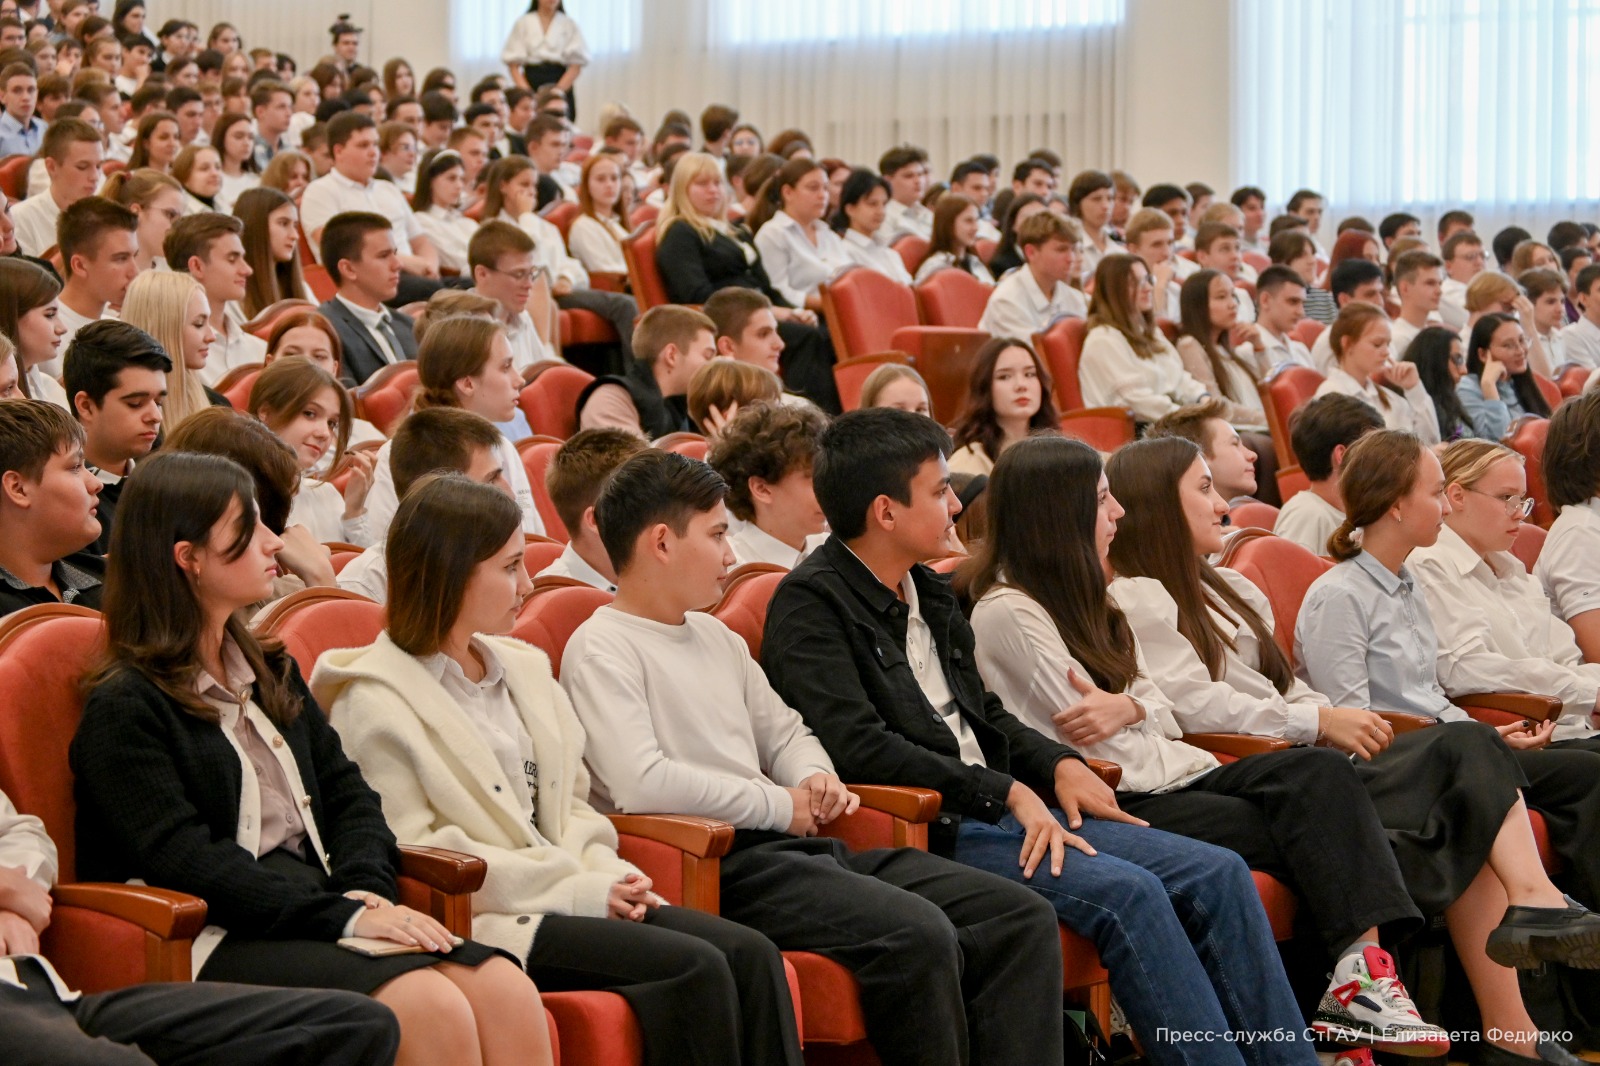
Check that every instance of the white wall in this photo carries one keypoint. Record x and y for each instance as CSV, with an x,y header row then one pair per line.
x,y
1179,110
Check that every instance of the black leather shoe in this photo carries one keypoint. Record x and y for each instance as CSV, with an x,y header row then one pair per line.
x,y
1550,1053
1528,937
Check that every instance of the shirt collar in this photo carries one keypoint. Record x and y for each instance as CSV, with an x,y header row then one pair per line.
x,y
349,183
1456,552
370,319
1387,579
863,240
238,671
441,666
859,576
68,578
580,570
767,546
1030,287
107,477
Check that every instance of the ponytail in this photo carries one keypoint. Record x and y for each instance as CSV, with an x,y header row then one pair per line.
x,y
1345,543
769,198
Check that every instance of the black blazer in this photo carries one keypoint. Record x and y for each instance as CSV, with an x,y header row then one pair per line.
x,y
158,799
692,269
834,649
362,359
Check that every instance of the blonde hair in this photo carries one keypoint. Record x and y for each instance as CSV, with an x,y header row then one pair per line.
x,y
1467,461
887,375
157,303
690,166
1490,287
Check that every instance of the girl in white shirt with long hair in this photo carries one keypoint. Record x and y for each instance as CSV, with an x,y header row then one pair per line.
x,y
797,248
441,184
863,203
596,236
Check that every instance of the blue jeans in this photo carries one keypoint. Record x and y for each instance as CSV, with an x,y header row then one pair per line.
x,y
1180,929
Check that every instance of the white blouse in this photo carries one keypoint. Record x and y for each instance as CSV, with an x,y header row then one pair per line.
x,y
1112,375
450,232
598,245
1242,700
1414,413
319,507
874,254
1569,562
939,260
529,42
234,187
1497,633
1024,661
795,266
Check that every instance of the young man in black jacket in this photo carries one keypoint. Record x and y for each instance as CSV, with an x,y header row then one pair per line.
x,y
873,651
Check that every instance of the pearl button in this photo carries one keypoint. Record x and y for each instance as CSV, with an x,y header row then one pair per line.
x,y
305,801
277,742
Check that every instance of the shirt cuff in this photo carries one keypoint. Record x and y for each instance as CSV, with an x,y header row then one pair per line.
x,y
350,926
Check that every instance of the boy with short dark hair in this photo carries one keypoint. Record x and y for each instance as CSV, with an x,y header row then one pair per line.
x,y
906,170
764,453
359,250
1321,433
871,647
1354,280
696,729
1280,305
1581,341
746,328
116,378
1029,298
47,510
501,258
1419,282
1233,465
576,475
670,343
21,129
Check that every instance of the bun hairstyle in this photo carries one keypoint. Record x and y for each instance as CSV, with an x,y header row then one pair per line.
x,y
454,348
1379,471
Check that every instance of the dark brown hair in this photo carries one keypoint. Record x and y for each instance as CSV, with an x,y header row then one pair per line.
x,y
653,487
268,460
31,431
769,198
1378,472
1115,304
580,467
285,386
1153,540
440,438
454,348
1572,451
270,280
977,421
1194,311
24,287
768,441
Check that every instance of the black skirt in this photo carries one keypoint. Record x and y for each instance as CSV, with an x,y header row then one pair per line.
x,y
1442,794
541,74
319,963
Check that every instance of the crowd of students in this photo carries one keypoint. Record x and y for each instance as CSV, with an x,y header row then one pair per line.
x,y
179,194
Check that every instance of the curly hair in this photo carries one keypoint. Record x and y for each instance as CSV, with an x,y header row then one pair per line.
x,y
768,441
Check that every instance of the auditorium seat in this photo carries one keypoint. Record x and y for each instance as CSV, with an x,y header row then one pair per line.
x,y
863,308
1283,392
1254,514
1529,543
537,453
1061,346
945,356
1571,379
562,214
912,250
743,606
639,249
14,176
1550,390
237,383
384,399
318,280
1307,330
261,325
683,442
540,552
849,375
550,398
1526,437
952,297
1291,479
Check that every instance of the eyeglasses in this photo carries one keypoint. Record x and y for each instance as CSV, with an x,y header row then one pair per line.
x,y
521,277
1516,506
1458,360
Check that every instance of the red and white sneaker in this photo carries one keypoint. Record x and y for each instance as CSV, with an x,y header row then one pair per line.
x,y
1367,1005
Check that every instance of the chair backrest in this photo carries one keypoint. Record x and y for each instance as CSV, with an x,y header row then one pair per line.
x,y
683,442
1553,394
540,552
1307,330
1254,515
319,281
1283,393
552,614
43,659
1256,261
1572,378
550,398
864,308
743,607
944,355
1282,570
952,297
1527,436
14,176
1291,479
912,251
562,214
386,396
261,325
330,618
537,454
644,215
1529,543
639,249
1061,346
237,383
985,249
849,375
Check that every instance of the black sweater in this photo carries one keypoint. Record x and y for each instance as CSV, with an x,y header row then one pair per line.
x,y
693,269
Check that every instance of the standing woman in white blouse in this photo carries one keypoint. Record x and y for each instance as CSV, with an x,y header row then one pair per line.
x,y
1359,339
596,236
797,248
441,182
1127,361
863,205
546,47
1569,564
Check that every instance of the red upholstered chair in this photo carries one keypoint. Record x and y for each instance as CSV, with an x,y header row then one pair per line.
x,y
952,297
1254,515
553,613
863,309
1571,378
639,250
986,250
945,356
237,383
1291,479
261,325
14,176
385,397
561,214
1061,346
849,375
1552,392
1256,261
745,596
474,210
537,453
912,251
683,442
1307,330
318,280
1282,393
541,552
1526,436
1529,543
550,398
644,215
318,619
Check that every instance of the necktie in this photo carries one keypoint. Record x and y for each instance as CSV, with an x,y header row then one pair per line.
x,y
386,327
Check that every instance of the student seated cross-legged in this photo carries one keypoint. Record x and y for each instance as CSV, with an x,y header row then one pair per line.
x,y
445,678
47,508
691,726
872,650
209,768
765,455
435,438
574,480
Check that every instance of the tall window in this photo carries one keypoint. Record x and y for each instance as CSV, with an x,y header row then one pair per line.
x,y
740,22
1484,103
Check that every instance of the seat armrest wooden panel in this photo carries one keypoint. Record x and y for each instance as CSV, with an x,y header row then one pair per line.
x,y
167,914
704,838
451,872
1238,745
915,805
1528,704
1406,723
1109,772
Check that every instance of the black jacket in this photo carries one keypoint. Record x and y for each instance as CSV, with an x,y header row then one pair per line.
x,y
81,572
693,269
362,359
158,799
834,649
658,414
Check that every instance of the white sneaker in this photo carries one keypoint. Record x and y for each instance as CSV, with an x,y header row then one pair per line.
x,y
1367,1005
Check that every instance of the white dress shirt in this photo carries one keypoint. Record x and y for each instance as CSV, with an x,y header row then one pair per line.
x,y
795,266
1308,520
1412,412
233,347
598,245
44,387
367,574
922,652
451,232
875,254
901,219
752,544
1111,374
1453,304
530,43
1496,632
334,194
1581,343
35,221
1276,351
1569,562
570,564
233,187
939,260
1019,308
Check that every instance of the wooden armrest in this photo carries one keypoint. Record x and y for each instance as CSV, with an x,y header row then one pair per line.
x,y
1238,745
1109,772
916,805
1527,704
704,838
1406,723
167,914
451,872
603,281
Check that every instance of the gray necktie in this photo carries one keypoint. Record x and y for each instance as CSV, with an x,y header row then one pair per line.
x,y
386,327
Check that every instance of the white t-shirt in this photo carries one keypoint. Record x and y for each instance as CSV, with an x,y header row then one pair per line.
x,y
1308,520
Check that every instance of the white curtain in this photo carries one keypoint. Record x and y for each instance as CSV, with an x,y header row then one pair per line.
x,y
860,76
1422,105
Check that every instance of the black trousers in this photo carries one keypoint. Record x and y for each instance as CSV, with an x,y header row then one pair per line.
x,y
541,74
619,310
1303,816
703,988
415,287
1564,786
191,1025
955,965
807,364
